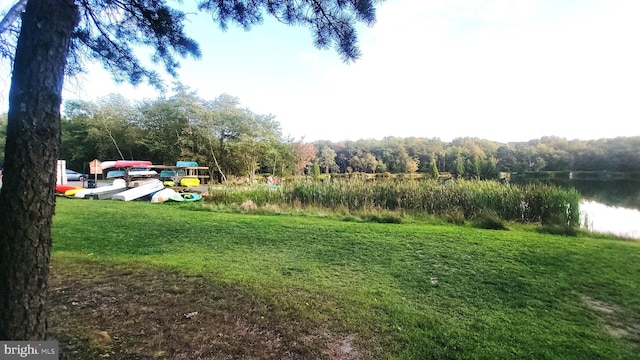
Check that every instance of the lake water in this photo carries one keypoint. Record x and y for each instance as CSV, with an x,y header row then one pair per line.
x,y
603,218
608,206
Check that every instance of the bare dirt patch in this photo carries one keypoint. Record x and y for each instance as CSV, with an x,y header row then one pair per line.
x,y
615,324
96,311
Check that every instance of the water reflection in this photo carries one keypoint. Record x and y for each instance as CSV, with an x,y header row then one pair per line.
x,y
621,193
609,206
603,218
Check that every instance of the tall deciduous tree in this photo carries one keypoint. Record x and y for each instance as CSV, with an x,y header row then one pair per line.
x,y
223,127
253,146
327,159
172,126
304,152
111,127
54,31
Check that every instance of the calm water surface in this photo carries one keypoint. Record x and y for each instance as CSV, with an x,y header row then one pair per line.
x,y
603,218
608,206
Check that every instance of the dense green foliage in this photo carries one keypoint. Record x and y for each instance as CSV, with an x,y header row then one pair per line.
x,y
408,291
220,134
186,127
478,158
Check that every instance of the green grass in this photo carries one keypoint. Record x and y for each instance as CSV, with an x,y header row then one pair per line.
x,y
409,291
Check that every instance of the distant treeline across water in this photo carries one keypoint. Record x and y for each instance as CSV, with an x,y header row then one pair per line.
x,y
603,175
547,157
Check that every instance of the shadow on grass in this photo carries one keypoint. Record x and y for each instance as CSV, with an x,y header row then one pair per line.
x,y
102,311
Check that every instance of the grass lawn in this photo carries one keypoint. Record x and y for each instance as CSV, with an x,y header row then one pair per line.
x,y
142,281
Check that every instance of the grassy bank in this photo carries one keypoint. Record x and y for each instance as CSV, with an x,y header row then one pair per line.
x,y
405,291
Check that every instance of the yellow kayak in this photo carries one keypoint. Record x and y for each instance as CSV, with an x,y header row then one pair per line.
x,y
190,182
71,192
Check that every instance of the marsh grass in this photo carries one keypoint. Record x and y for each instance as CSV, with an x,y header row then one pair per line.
x,y
400,291
457,201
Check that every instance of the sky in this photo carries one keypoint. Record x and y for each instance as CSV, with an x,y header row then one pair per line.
x,y
501,70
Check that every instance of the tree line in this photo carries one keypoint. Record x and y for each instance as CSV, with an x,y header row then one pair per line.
x,y
476,158
229,139
234,141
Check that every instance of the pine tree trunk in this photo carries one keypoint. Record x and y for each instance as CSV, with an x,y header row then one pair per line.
x,y
27,199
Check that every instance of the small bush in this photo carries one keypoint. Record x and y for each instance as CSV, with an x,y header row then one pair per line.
x,y
271,208
454,216
248,206
563,230
489,219
383,218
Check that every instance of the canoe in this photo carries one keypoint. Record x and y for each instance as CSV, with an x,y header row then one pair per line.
x,y
132,163
133,173
186,164
103,192
139,191
118,164
167,174
108,164
115,174
103,195
190,182
61,189
141,181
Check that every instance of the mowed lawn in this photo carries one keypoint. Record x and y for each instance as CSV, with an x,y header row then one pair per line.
x,y
398,291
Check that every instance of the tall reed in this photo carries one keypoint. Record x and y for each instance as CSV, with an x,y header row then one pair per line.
x,y
527,203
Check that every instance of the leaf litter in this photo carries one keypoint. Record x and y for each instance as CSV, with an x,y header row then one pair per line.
x,y
99,311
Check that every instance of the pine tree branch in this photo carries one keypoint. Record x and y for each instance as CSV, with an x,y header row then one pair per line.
x,y
12,15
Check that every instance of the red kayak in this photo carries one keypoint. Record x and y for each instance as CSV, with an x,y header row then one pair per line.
x,y
119,164
63,188
132,163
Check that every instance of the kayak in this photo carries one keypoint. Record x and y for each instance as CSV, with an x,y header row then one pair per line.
x,y
132,163
72,192
108,164
191,196
118,164
164,195
103,192
190,182
186,164
61,189
170,194
167,173
133,173
139,191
